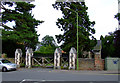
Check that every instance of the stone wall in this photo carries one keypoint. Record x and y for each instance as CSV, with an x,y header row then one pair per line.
x,y
91,64
86,64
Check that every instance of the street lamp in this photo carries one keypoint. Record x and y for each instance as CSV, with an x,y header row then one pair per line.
x,y
77,35
77,41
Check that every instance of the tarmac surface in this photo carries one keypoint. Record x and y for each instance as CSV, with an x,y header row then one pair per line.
x,y
49,75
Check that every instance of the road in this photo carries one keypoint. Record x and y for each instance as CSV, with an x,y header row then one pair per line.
x,y
42,74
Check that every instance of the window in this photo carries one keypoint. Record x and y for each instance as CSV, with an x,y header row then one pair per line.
x,y
5,61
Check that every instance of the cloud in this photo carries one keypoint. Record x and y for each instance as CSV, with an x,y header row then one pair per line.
x,y
102,12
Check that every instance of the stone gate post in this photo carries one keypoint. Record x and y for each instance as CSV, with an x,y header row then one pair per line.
x,y
57,55
29,54
18,55
72,58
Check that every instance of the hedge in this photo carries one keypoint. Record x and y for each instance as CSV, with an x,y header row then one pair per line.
x,y
39,54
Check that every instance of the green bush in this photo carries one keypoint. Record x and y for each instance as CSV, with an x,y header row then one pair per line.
x,y
40,54
22,65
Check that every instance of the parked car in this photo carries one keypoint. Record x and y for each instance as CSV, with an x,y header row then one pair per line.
x,y
6,65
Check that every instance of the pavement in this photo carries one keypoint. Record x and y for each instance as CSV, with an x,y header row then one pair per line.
x,y
105,72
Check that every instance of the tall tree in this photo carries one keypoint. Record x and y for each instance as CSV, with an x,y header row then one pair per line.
x,y
68,24
48,40
23,32
117,37
108,49
117,43
47,45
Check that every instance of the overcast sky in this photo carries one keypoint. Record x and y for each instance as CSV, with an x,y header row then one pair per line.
x,y
100,11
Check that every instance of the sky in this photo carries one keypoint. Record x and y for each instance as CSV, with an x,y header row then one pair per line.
x,y
100,11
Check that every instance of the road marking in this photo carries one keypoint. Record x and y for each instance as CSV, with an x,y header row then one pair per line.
x,y
39,80
111,74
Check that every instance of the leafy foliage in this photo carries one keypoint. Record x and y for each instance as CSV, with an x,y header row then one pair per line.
x,y
48,45
108,49
47,49
117,16
68,24
48,40
111,42
23,32
117,37
24,29
117,43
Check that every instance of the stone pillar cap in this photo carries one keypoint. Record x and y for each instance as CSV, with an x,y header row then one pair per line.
x,y
73,50
18,51
58,50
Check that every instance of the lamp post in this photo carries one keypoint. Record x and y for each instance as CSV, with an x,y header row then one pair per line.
x,y
77,41
77,35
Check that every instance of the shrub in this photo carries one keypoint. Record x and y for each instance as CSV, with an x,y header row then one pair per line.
x,y
40,54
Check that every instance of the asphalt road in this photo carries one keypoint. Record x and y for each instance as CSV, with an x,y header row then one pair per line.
x,y
41,74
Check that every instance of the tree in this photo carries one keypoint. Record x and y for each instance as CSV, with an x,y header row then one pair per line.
x,y
47,45
48,40
111,42
117,16
68,24
46,49
23,32
117,37
117,43
108,49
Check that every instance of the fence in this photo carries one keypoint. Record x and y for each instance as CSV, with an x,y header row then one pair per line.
x,y
42,61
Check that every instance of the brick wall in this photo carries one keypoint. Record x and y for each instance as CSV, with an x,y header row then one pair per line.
x,y
99,63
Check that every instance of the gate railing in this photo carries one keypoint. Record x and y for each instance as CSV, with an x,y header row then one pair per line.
x,y
64,62
43,61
